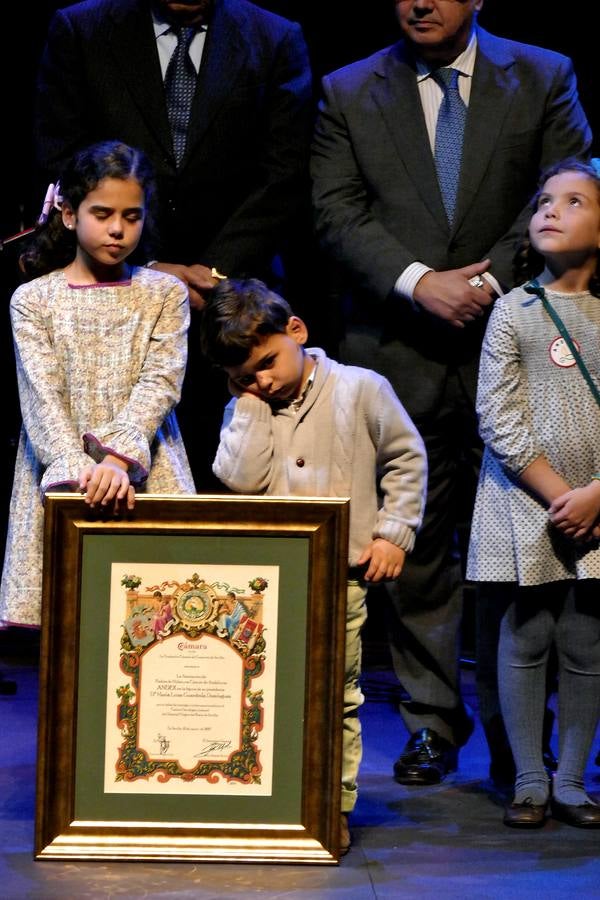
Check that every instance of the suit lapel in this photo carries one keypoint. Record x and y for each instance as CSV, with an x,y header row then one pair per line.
x,y
131,39
492,93
396,94
224,57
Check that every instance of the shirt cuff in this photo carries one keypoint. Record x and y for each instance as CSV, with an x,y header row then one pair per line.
x,y
407,281
491,280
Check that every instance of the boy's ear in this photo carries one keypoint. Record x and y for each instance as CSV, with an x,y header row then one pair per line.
x,y
297,330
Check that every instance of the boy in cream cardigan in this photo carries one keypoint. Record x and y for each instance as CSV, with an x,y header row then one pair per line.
x,y
301,424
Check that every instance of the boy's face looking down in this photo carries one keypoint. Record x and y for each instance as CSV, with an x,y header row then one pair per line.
x,y
277,367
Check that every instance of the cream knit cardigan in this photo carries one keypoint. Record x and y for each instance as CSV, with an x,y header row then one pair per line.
x,y
350,438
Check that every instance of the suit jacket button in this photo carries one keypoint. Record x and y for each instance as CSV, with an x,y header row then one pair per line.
x,y
299,462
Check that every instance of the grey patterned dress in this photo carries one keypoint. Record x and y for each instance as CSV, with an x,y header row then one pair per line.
x,y
532,399
99,368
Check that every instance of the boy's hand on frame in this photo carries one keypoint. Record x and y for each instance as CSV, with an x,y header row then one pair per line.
x,y
385,560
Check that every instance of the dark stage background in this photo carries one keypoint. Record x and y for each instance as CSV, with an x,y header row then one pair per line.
x,y
337,32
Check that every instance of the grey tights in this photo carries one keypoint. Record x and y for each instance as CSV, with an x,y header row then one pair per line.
x,y
568,615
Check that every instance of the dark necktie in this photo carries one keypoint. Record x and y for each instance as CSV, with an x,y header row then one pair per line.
x,y
449,137
180,84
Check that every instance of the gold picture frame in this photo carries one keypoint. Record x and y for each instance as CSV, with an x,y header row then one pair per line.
x,y
99,798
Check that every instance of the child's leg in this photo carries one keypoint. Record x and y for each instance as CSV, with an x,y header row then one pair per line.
x,y
526,635
356,615
578,646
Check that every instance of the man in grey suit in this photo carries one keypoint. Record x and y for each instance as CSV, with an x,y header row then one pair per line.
x,y
423,277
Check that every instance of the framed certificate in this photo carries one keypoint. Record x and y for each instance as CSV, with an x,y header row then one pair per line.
x,y
191,679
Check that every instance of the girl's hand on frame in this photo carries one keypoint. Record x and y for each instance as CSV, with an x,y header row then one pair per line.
x,y
385,560
107,482
575,514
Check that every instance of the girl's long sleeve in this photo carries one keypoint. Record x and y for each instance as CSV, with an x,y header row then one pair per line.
x,y
157,390
502,405
99,368
42,392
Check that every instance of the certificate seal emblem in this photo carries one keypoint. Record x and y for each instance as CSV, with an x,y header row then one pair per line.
x,y
196,603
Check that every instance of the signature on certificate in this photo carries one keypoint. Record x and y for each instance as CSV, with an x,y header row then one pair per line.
x,y
214,747
163,743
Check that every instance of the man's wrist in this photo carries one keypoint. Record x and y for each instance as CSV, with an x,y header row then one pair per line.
x,y
407,281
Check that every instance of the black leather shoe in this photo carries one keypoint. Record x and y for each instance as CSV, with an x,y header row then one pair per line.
x,y
525,815
426,759
584,815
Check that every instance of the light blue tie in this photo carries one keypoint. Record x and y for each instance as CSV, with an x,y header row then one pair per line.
x,y
180,84
449,137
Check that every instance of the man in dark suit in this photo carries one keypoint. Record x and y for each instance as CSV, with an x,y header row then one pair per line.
x,y
228,206
423,278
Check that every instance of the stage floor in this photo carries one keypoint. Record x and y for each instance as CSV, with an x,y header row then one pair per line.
x,y
442,841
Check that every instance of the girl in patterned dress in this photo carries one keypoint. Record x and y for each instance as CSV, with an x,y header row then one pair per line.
x,y
536,523
100,347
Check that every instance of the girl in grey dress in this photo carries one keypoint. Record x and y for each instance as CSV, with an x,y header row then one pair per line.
x,y
536,524
100,348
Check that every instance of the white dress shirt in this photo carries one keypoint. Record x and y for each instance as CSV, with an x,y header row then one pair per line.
x,y
431,95
166,41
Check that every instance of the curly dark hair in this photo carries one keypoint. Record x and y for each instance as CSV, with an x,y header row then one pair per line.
x,y
238,313
52,245
528,263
